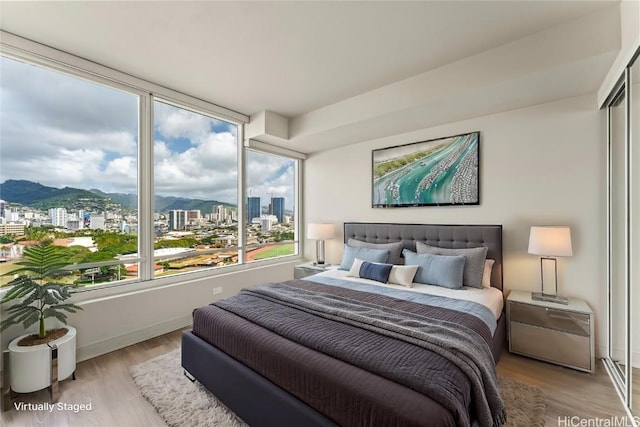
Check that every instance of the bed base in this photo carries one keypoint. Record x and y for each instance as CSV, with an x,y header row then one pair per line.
x,y
256,400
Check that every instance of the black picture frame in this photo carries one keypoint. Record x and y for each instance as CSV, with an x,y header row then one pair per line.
x,y
436,172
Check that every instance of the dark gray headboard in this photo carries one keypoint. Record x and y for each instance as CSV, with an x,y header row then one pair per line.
x,y
446,236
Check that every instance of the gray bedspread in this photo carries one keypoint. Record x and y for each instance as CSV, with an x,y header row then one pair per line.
x,y
275,307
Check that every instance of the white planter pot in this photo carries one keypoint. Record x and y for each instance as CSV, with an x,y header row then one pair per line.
x,y
30,366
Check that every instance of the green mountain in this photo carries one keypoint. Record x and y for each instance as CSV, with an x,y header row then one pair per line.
x,y
38,196
42,197
164,203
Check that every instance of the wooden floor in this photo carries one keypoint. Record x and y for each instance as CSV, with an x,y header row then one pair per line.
x,y
570,393
115,400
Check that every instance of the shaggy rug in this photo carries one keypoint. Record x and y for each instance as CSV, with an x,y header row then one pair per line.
x,y
183,403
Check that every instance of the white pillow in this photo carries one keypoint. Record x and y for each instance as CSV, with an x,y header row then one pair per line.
x,y
355,268
403,275
486,275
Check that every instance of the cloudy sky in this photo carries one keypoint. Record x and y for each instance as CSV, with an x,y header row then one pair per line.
x,y
62,131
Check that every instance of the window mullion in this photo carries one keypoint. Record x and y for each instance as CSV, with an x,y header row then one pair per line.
x,y
242,197
145,189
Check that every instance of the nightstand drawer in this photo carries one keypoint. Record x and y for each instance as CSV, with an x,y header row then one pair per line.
x,y
545,317
551,345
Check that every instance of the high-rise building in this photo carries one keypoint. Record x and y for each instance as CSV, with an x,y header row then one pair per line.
x,y
3,206
97,222
193,215
276,207
220,214
253,208
266,221
58,217
178,219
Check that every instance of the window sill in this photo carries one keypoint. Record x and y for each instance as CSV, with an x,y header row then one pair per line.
x,y
103,292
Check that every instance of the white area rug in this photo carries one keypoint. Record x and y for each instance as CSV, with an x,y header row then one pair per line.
x,y
183,403
179,401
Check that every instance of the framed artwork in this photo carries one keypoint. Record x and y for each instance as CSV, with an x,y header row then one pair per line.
x,y
438,172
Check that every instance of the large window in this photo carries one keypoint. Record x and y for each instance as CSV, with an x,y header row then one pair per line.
x,y
68,172
132,185
196,191
271,206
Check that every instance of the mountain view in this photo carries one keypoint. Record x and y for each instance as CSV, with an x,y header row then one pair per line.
x,y
36,195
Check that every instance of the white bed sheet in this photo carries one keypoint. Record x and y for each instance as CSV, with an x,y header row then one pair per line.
x,y
492,298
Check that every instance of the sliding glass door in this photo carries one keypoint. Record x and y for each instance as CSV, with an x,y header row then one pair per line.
x,y
623,246
618,232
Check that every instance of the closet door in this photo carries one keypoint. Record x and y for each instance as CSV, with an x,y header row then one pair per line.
x,y
634,294
618,235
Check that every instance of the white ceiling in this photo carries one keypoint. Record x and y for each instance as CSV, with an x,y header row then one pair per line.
x,y
338,69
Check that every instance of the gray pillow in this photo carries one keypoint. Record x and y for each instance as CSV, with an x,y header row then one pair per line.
x,y
473,267
365,254
440,270
394,248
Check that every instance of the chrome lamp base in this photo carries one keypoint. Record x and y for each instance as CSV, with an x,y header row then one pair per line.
x,y
539,296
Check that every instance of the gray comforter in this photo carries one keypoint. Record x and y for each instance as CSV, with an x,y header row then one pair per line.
x,y
275,306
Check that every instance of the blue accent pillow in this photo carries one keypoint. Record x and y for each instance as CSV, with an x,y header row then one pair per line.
x,y
365,254
375,271
440,270
473,266
394,248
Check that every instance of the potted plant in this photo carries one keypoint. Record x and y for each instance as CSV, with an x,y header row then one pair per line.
x,y
33,298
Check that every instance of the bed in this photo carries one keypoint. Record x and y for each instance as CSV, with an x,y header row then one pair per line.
x,y
270,378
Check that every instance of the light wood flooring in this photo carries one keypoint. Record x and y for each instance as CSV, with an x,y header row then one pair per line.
x,y
116,401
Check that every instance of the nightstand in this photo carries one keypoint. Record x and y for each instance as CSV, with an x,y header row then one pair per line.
x,y
303,270
560,334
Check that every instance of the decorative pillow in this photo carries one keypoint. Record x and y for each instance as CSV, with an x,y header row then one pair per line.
x,y
474,266
375,271
440,270
355,268
403,275
365,254
370,270
486,276
394,248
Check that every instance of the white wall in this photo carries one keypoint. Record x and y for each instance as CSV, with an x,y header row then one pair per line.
x,y
542,165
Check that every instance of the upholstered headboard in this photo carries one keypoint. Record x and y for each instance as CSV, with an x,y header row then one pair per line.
x,y
446,236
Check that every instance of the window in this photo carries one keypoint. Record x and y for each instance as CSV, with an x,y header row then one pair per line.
x,y
196,191
69,171
270,206
85,157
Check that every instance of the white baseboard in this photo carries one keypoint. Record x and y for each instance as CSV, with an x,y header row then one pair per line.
x,y
133,337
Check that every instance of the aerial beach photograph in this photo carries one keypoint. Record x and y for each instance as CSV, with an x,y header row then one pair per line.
x,y
437,172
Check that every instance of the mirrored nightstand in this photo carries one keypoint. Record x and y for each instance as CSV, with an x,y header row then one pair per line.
x,y
303,270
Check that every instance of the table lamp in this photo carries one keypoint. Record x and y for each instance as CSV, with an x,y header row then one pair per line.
x,y
549,242
320,233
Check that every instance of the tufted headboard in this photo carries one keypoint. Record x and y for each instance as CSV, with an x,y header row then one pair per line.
x,y
446,236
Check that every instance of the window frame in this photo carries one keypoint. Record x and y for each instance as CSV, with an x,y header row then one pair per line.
x,y
297,158
33,53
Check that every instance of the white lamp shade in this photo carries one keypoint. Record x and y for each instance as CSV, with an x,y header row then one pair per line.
x,y
550,241
320,231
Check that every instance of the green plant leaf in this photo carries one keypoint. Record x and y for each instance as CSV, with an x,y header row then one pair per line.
x,y
34,293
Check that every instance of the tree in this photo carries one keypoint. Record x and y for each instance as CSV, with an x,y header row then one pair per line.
x,y
41,299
